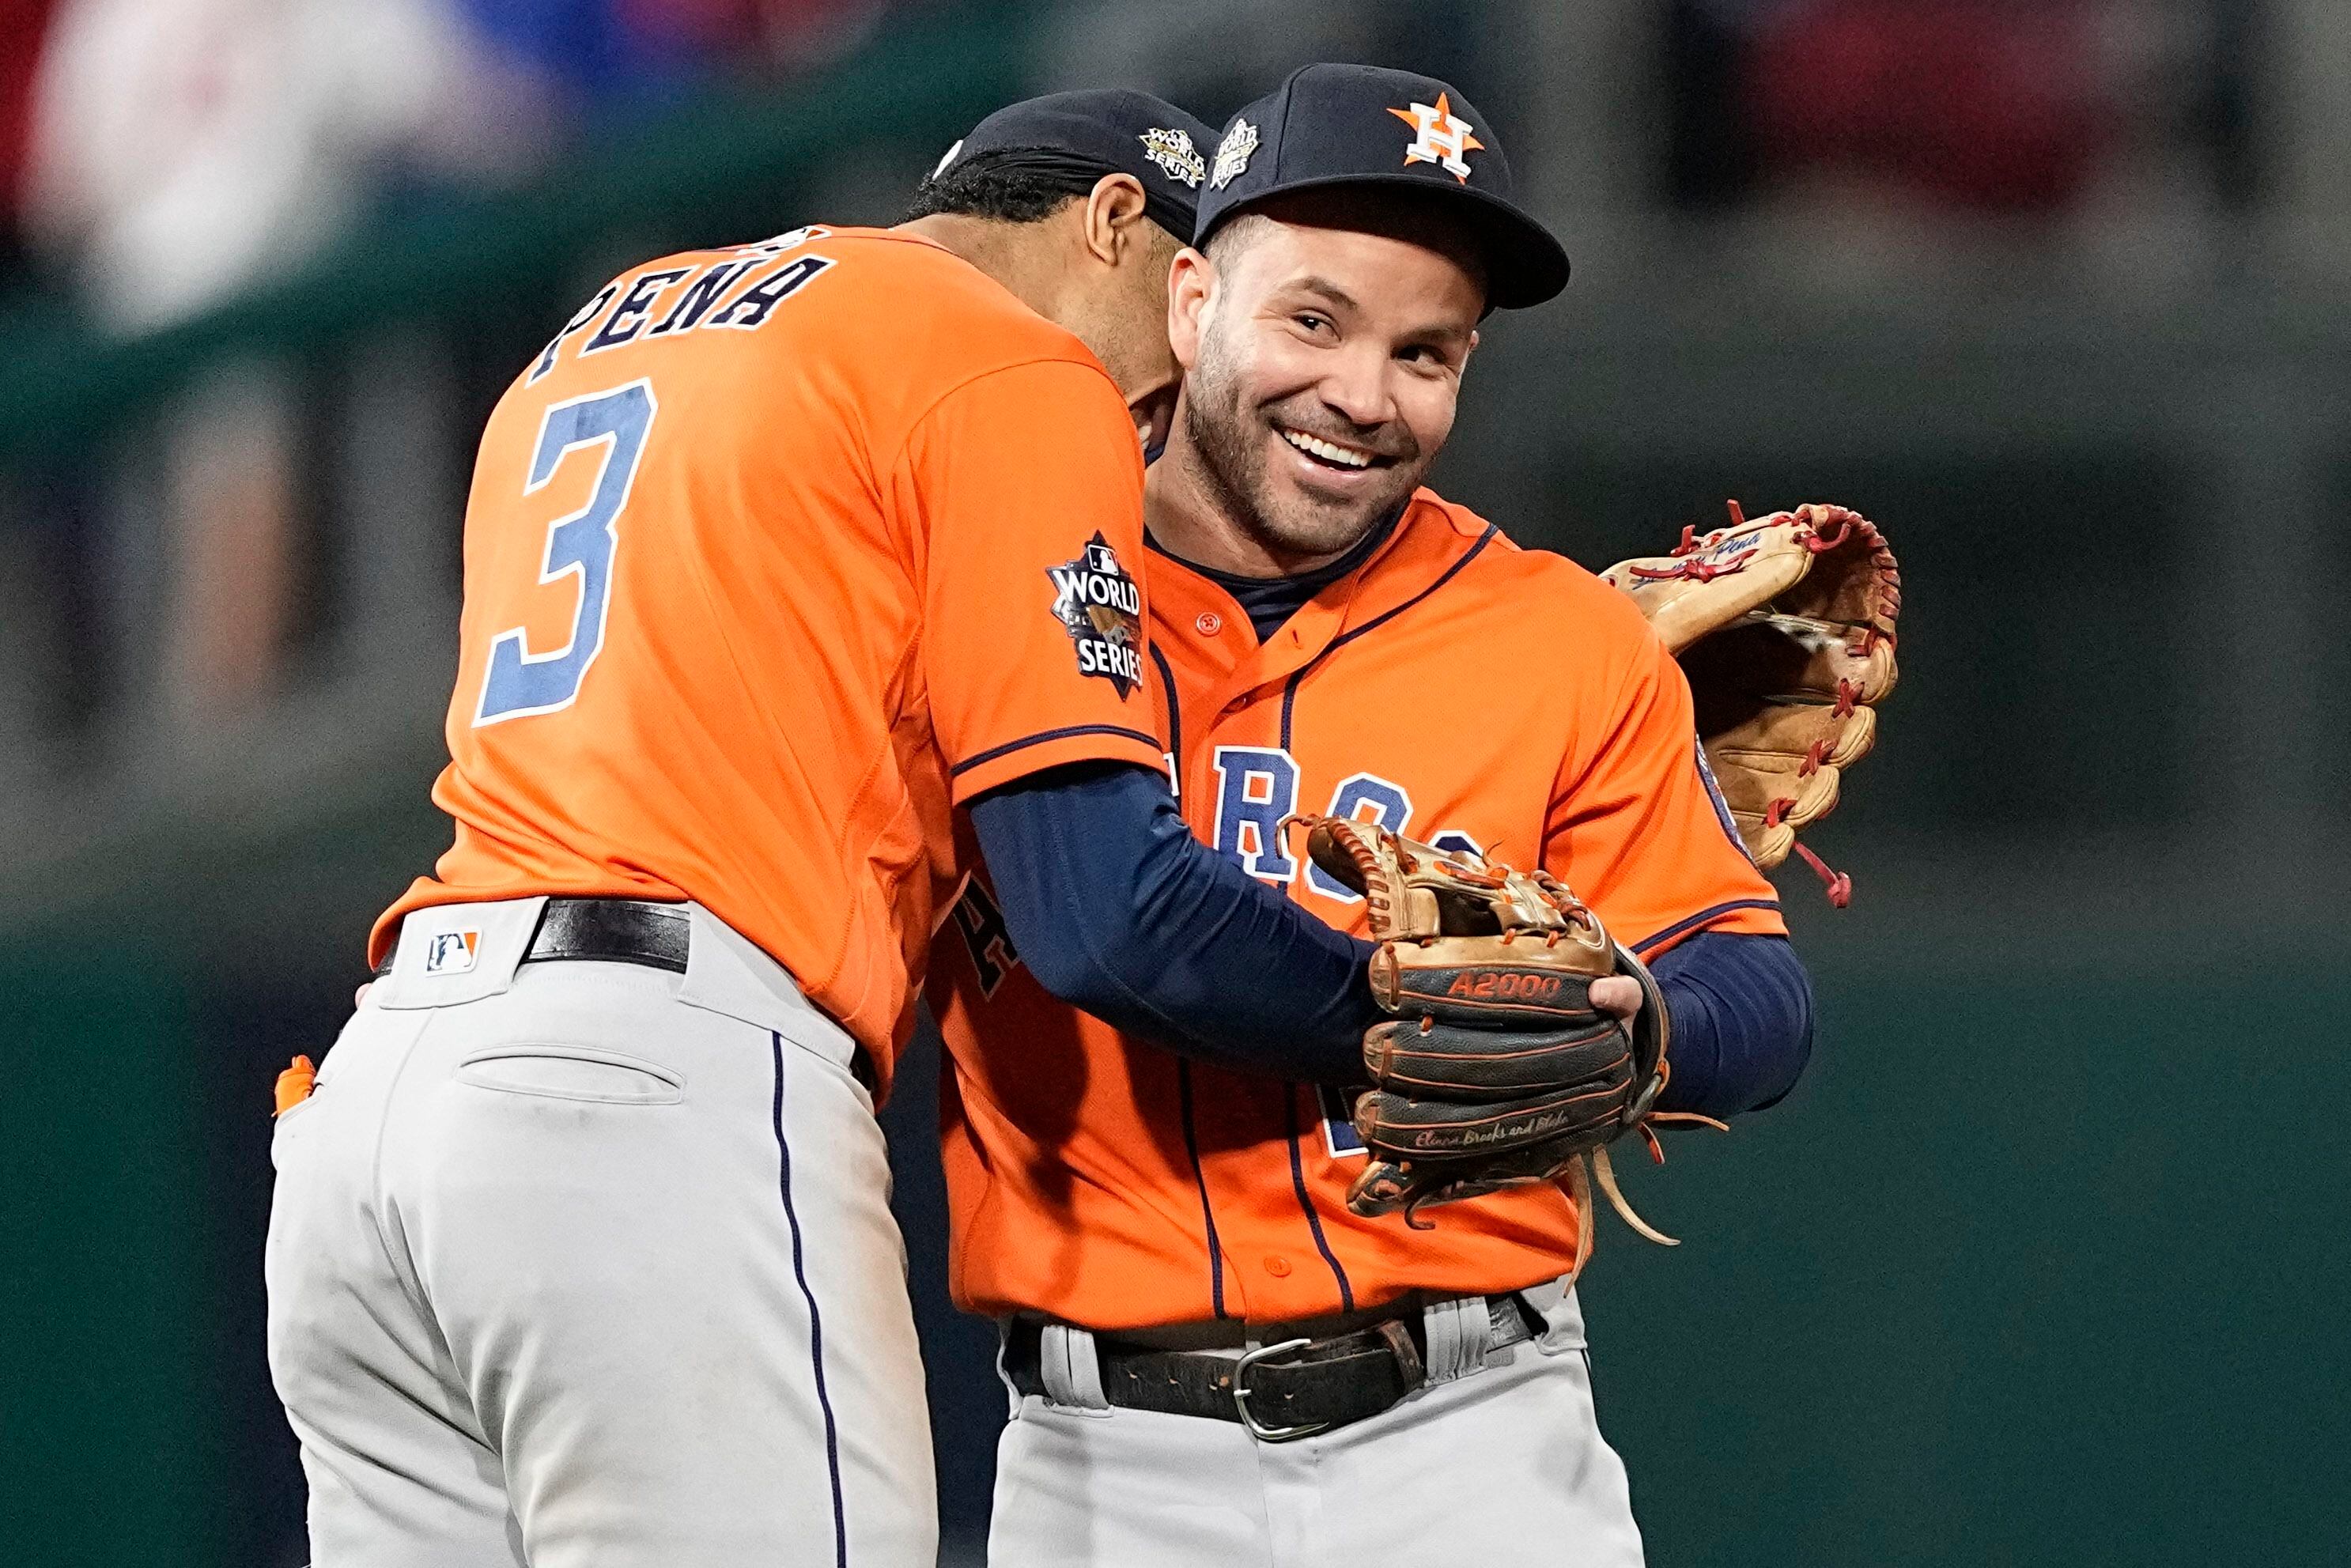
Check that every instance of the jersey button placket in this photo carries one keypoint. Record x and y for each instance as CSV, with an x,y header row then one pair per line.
x,y
1277,1267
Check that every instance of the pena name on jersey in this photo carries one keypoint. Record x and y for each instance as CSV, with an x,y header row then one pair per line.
x,y
774,555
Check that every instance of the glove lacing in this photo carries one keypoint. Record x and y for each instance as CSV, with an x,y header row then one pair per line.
x,y
1594,1166
1862,641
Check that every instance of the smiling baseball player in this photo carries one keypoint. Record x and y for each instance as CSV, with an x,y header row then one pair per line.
x,y
794,571
1214,1359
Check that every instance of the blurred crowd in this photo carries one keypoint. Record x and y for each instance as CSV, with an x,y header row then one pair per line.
x,y
1988,106
160,158
158,155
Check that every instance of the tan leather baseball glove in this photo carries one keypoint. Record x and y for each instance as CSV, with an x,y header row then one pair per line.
x,y
1785,628
1495,1070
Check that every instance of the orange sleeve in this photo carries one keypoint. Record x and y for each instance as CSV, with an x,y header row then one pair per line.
x,y
1026,487
1642,835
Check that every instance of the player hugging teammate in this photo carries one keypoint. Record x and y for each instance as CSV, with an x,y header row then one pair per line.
x,y
810,620
1225,1341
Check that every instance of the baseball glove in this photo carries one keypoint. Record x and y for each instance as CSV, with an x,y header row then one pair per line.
x,y
1785,628
1496,1070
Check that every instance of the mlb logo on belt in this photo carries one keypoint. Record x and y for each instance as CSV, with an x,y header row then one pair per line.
x,y
452,952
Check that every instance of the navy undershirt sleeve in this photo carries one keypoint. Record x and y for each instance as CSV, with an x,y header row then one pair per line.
x,y
1741,1006
1117,909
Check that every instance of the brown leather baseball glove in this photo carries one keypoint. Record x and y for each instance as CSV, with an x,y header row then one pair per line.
x,y
1496,1070
1785,628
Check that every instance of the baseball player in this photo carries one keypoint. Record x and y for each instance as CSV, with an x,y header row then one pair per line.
x,y
775,557
1213,1360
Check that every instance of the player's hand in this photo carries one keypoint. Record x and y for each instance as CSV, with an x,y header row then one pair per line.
x,y
359,998
1619,994
1520,1034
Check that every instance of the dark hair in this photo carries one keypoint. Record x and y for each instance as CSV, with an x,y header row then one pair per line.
x,y
1233,235
997,184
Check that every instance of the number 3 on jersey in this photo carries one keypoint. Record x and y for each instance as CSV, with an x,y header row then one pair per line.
x,y
519,682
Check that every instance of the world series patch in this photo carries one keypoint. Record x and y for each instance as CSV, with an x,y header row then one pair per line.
x,y
1173,152
1102,608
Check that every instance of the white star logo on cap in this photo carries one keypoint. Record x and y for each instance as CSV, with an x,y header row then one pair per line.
x,y
1444,137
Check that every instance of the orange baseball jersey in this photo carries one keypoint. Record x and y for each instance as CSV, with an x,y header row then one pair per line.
x,y
773,556
1457,688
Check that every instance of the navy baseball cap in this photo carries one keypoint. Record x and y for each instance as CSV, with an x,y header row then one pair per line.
x,y
1365,125
1082,136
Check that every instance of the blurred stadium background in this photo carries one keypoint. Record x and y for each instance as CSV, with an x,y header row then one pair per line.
x,y
2045,1263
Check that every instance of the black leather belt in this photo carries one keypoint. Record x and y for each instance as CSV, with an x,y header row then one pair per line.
x,y
624,931
1280,1392
607,930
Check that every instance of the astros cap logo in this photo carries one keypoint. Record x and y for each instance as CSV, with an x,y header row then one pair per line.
x,y
1443,137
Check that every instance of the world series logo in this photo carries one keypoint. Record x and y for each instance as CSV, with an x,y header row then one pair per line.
x,y
1101,607
1173,152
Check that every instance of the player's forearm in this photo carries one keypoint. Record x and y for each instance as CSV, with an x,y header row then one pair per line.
x,y
1117,909
1741,1008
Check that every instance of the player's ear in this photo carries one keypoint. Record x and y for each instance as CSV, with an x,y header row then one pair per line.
x,y
1115,228
1191,280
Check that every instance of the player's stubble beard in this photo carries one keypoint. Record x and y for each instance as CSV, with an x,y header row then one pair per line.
x,y
1232,437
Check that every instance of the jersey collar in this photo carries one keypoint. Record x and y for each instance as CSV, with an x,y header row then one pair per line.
x,y
1424,544
1255,593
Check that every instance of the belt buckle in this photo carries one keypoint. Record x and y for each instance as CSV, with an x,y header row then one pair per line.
x,y
1256,1428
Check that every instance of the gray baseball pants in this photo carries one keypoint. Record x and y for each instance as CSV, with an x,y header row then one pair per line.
x,y
586,1263
1498,1461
